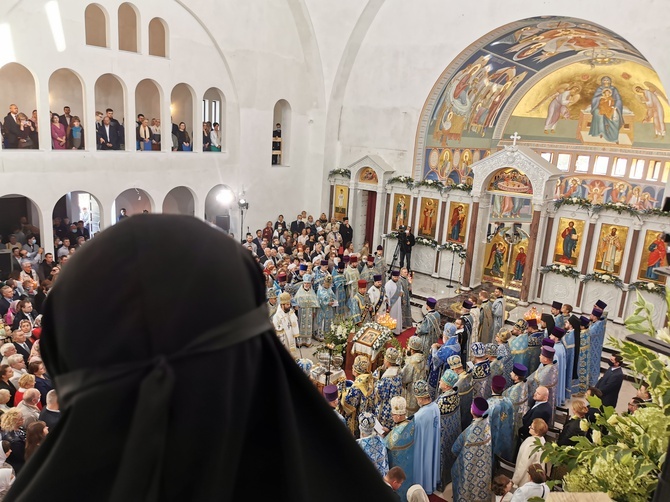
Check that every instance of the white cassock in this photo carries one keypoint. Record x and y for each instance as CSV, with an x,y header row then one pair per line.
x,y
375,295
286,326
393,295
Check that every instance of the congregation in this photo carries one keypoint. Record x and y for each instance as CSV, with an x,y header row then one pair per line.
x,y
462,399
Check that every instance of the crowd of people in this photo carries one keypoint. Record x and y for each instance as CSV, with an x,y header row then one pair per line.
x,y
67,132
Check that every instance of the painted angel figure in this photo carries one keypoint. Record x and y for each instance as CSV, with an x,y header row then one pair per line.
x,y
560,101
596,192
651,96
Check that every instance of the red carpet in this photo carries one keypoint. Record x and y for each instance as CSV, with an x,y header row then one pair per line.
x,y
404,336
434,498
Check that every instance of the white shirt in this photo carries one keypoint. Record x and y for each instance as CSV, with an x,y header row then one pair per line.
x,y
530,490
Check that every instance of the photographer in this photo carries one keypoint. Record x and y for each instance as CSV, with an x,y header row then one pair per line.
x,y
406,242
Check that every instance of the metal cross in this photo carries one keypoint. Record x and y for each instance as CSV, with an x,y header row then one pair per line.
x,y
514,137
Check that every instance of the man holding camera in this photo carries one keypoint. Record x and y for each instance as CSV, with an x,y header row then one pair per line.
x,y
406,241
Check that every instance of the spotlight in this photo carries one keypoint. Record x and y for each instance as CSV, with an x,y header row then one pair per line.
x,y
243,204
225,196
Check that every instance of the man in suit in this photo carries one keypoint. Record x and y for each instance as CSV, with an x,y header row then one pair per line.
x,y
297,225
610,383
66,118
541,409
347,233
22,344
6,298
11,128
108,135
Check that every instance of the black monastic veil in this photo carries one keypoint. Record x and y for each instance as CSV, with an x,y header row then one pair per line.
x,y
173,386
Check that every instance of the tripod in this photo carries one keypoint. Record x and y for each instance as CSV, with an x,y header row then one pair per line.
x,y
451,273
396,253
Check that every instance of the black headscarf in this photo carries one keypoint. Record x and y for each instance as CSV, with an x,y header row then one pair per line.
x,y
173,385
577,327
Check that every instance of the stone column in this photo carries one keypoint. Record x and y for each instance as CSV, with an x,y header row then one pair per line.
x,y
631,266
472,240
587,253
545,250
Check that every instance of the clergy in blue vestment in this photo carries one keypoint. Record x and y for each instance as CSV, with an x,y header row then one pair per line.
x,y
369,271
546,375
495,364
400,444
560,359
481,372
518,394
450,423
571,344
332,395
505,354
340,288
320,274
464,387
556,313
359,306
308,304
519,345
596,341
372,444
473,469
440,353
388,386
582,383
534,347
360,396
326,312
429,329
501,420
426,439
352,276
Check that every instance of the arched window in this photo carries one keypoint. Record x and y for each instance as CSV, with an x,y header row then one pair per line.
x,y
148,103
128,28
110,101
281,133
181,107
158,38
179,200
214,111
17,88
96,22
66,99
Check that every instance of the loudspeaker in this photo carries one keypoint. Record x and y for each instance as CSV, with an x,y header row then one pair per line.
x,y
223,222
5,263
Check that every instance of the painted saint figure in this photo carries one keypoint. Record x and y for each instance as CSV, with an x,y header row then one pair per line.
x,y
656,257
457,221
428,218
569,236
655,113
610,245
519,264
607,111
401,212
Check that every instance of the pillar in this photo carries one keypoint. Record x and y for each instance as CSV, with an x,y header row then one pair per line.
x,y
472,243
587,254
529,269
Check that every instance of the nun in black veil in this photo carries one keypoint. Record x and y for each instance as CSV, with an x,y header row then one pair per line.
x,y
134,425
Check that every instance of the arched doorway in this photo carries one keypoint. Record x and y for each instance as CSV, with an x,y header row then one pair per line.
x,y
148,103
219,208
110,100
17,87
19,216
181,108
133,201
179,200
66,97
75,207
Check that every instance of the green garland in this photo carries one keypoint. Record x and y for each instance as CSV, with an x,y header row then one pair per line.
x,y
437,185
604,278
454,247
564,270
618,207
346,173
648,287
402,180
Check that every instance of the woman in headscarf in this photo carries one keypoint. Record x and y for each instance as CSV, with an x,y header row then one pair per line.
x,y
137,381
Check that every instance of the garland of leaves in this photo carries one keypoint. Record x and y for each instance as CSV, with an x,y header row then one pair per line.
x,y
564,270
346,173
604,278
426,241
438,185
649,287
618,207
455,248
459,186
402,180
572,201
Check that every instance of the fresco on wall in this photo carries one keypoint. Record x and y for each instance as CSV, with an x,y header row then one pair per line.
x,y
622,103
451,166
457,224
568,240
653,256
611,245
368,175
606,189
400,211
341,202
428,218
511,181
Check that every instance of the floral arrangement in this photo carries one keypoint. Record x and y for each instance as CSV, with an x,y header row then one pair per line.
x,y
564,270
459,186
573,201
336,338
380,342
346,173
455,248
656,212
604,278
626,453
402,180
649,287
619,207
438,185
392,235
426,241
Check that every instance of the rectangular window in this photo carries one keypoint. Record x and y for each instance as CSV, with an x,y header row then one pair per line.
x,y
582,163
637,169
666,171
619,167
563,162
654,170
546,156
216,112
600,165
205,110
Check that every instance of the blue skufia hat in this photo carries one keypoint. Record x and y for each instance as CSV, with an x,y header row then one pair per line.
x,y
478,349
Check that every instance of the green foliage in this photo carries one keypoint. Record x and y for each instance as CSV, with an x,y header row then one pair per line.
x,y
625,453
